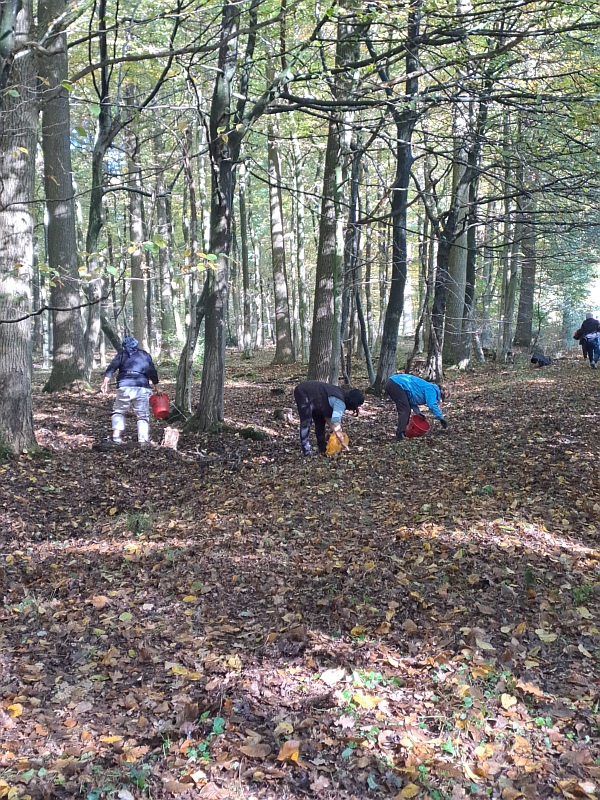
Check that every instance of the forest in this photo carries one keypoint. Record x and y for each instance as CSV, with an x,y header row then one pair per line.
x,y
261,193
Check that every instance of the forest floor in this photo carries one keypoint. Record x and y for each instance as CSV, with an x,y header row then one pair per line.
x,y
415,619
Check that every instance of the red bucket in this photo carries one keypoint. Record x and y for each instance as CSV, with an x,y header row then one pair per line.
x,y
418,426
159,403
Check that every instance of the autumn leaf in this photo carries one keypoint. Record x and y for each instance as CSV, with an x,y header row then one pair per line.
x,y
255,750
284,729
545,636
366,701
290,751
508,701
410,790
15,710
333,676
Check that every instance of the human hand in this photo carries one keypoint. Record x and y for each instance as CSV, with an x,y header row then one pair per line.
x,y
337,429
104,387
444,424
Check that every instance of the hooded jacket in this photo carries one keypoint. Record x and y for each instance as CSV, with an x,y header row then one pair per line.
x,y
134,368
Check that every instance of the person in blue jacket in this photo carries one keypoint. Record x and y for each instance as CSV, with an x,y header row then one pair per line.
x,y
323,403
135,370
408,393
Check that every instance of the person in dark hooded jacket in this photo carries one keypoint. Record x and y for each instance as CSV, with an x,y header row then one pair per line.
x,y
135,371
324,403
588,337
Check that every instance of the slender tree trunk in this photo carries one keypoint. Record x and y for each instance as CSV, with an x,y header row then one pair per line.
x,y
68,363
303,303
524,328
224,151
18,125
457,272
405,122
136,227
247,299
183,387
167,317
284,350
328,260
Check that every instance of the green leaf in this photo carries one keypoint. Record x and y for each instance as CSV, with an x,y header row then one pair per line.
x,y
95,110
111,270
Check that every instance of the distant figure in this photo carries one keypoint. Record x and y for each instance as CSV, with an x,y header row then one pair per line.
x,y
409,392
135,369
540,360
587,336
324,403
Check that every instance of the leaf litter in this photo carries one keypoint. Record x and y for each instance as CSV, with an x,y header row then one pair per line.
x,y
413,619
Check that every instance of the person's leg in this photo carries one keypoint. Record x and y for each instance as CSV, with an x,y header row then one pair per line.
x,y
141,408
120,407
400,398
319,421
305,414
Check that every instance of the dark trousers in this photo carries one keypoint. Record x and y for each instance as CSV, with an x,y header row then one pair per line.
x,y
308,414
400,398
591,350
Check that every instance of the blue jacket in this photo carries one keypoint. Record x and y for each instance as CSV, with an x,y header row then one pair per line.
x,y
420,393
134,369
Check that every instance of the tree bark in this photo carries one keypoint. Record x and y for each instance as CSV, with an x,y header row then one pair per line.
x,y
284,349
405,122
18,125
68,364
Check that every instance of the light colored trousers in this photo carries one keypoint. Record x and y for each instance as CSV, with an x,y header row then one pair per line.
x,y
137,397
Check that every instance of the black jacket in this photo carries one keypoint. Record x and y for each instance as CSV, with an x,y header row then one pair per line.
x,y
317,394
589,326
135,369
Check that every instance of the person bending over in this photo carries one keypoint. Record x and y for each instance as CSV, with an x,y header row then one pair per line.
x,y
324,403
409,392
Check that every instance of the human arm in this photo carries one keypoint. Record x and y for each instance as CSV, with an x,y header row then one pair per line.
x,y
110,371
432,396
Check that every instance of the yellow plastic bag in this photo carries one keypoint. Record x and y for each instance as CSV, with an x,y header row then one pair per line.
x,y
334,446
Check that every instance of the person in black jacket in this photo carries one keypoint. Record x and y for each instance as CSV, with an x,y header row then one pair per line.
x,y
135,370
587,335
323,403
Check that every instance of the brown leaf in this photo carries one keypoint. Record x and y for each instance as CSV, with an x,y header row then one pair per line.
x,y
211,791
290,751
255,750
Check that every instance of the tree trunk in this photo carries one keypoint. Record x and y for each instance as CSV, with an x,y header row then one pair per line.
x,y
224,151
246,300
68,363
405,122
457,270
284,350
524,326
136,227
328,265
303,303
18,125
167,317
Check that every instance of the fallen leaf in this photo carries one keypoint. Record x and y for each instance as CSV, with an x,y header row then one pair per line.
x,y
290,751
111,739
15,710
99,601
284,728
410,626
410,790
508,701
366,701
333,676
255,750
211,791
545,636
